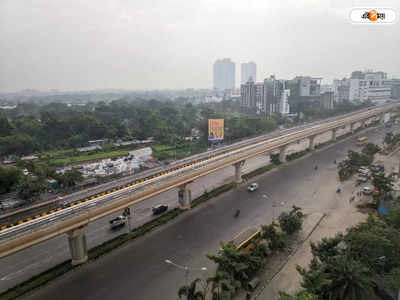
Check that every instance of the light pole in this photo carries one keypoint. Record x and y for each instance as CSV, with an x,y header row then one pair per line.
x,y
186,269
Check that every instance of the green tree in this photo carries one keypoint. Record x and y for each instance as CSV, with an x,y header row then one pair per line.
x,y
382,183
370,149
9,179
221,286
277,239
291,222
303,295
340,278
30,188
190,292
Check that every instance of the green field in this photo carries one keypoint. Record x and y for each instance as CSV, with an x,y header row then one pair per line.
x,y
86,157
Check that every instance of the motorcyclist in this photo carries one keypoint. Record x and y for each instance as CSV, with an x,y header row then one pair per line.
x,y
237,213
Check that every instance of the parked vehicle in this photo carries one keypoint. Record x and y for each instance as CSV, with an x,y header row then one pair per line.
x,y
252,187
378,169
367,190
118,222
159,209
362,179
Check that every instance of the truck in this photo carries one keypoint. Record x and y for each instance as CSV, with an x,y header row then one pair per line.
x,y
118,222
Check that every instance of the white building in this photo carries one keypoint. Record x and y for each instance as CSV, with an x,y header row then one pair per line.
x,y
248,70
363,86
284,108
224,74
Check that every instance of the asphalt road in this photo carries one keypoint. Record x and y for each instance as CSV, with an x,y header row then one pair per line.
x,y
133,271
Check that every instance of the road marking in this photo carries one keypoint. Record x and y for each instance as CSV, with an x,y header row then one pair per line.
x,y
14,275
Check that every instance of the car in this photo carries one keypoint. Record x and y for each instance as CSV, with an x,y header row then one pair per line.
x,y
378,169
252,187
362,179
159,209
366,190
118,222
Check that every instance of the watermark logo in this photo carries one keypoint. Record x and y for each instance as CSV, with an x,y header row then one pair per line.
x,y
373,16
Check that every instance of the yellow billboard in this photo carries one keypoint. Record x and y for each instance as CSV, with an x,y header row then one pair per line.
x,y
215,129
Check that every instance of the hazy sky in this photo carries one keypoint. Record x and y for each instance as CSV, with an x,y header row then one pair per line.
x,y
149,44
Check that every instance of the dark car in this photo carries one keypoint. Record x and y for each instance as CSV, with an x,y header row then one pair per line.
x,y
159,209
378,169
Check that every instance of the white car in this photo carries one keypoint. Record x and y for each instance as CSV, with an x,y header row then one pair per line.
x,y
367,190
252,187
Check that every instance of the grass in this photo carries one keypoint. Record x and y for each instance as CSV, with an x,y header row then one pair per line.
x,y
86,157
259,171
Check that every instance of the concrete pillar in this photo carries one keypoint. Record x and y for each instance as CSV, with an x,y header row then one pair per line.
x,y
77,245
363,123
382,119
334,133
238,171
311,145
352,127
184,196
282,153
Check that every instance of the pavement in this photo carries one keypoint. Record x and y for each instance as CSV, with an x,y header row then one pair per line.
x,y
134,270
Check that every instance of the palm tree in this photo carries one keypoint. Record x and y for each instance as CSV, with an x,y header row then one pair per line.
x,y
190,291
220,282
350,280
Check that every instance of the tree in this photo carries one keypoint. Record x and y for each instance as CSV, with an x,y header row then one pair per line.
x,y
370,149
303,295
394,216
277,239
221,286
327,248
190,291
340,278
383,184
31,187
69,178
9,179
275,158
291,222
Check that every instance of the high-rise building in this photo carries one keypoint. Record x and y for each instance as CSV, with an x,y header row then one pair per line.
x,y
224,74
284,108
273,90
248,70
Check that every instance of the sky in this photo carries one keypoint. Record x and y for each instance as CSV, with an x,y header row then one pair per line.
x,y
172,44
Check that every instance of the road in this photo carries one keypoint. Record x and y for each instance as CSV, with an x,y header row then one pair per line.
x,y
185,240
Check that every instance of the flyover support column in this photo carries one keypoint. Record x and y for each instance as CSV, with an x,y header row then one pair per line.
x,y
311,145
282,153
352,127
334,134
184,196
238,171
77,245
382,119
363,123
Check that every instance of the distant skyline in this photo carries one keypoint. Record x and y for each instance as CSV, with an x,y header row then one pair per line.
x,y
169,44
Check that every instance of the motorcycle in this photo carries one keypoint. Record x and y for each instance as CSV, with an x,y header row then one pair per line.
x,y
237,213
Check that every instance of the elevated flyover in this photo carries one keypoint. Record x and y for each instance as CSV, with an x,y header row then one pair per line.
x,y
73,217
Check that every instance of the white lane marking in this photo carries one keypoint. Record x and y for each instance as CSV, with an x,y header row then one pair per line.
x,y
17,274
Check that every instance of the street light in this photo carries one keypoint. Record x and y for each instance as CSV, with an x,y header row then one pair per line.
x,y
187,269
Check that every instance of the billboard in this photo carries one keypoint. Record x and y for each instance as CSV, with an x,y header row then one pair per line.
x,y
215,130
